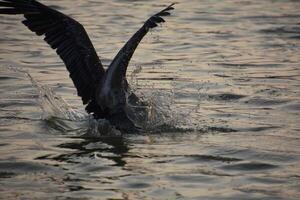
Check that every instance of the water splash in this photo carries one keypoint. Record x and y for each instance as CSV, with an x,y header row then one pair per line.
x,y
163,114
51,104
161,111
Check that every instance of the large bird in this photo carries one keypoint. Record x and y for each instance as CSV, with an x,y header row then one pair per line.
x,y
105,92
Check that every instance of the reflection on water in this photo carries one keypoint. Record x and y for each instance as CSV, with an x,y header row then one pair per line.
x,y
224,74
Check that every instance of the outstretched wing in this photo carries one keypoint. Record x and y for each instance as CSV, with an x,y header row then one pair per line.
x,y
67,36
117,69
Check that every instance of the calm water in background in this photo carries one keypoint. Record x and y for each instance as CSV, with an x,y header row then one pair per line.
x,y
228,70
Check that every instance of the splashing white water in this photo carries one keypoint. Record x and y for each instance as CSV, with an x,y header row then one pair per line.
x,y
162,112
52,104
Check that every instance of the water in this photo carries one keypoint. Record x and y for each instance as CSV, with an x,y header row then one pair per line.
x,y
226,73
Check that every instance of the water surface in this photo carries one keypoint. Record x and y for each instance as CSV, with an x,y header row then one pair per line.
x,y
225,72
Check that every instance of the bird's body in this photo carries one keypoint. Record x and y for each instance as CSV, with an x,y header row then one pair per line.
x,y
105,92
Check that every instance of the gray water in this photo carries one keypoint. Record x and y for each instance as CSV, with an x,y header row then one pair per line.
x,y
224,76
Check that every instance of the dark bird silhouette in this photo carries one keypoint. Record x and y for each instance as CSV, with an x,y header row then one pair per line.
x,y
103,91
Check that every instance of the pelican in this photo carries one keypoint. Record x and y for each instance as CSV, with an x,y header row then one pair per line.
x,y
104,92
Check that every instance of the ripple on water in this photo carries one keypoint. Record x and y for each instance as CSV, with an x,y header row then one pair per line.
x,y
261,101
292,106
292,32
226,97
249,166
25,167
211,158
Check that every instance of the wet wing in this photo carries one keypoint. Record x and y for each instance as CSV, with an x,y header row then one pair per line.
x,y
118,67
67,36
